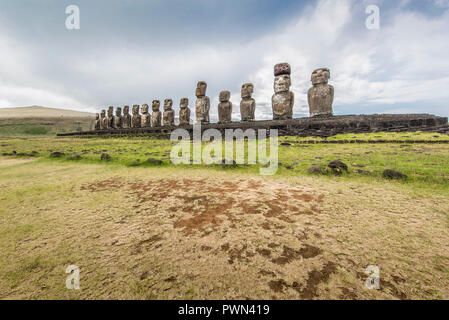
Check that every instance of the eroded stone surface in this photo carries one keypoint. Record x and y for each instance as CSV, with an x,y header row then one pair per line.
x,y
136,118
169,113
146,117
248,104
283,99
110,119
225,107
321,95
184,111
103,121
97,121
202,104
118,121
156,115
126,119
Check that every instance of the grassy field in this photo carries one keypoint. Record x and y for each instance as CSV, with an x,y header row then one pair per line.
x,y
141,231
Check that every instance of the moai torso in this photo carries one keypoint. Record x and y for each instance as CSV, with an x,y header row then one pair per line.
x,y
283,99
184,112
97,122
156,115
126,119
321,95
225,107
136,119
248,104
118,118
103,120
110,120
169,113
146,117
202,104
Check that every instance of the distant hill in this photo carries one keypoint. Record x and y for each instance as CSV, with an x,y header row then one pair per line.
x,y
42,112
36,120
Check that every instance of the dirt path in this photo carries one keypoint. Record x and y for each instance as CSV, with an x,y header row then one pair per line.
x,y
165,233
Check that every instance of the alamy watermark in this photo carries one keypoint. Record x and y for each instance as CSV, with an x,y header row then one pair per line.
x,y
372,22
72,22
73,280
212,153
373,280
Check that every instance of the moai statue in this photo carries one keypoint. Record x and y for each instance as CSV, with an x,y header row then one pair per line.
x,y
97,121
225,107
168,118
136,120
103,120
283,99
248,104
110,120
202,104
146,117
156,115
126,119
184,111
118,121
321,95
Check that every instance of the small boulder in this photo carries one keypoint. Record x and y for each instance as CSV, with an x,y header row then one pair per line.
x,y
392,174
315,170
338,167
105,157
74,157
154,161
57,154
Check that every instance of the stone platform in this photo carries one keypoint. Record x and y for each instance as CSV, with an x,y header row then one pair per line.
x,y
314,126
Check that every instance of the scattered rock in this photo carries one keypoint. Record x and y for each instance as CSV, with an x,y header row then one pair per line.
x,y
154,161
56,154
317,170
105,157
135,163
392,174
338,167
285,144
74,157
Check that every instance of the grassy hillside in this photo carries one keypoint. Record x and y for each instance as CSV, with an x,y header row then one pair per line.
x,y
32,121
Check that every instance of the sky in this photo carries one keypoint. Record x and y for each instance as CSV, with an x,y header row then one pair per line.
x,y
134,51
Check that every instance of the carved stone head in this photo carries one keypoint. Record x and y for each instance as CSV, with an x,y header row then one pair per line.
x,y
155,106
97,116
126,110
136,109
144,108
282,83
168,103
320,75
118,111
110,111
184,103
103,113
201,89
225,96
247,90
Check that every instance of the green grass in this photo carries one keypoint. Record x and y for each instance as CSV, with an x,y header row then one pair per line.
x,y
425,164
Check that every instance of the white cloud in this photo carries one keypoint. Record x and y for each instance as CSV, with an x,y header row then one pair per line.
x,y
402,63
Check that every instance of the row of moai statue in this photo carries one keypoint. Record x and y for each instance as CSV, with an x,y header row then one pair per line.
x,y
320,99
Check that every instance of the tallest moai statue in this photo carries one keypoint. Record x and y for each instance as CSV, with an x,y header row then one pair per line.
x,y
283,99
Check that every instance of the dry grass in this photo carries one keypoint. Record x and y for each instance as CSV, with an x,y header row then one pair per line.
x,y
157,233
